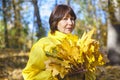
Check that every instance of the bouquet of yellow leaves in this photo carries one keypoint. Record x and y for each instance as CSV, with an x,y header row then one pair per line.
x,y
75,56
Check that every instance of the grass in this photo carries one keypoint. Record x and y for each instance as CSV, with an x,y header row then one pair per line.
x,y
13,61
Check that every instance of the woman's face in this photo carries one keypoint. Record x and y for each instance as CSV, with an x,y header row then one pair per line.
x,y
66,24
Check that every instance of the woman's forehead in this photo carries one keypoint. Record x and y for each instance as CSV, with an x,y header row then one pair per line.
x,y
67,15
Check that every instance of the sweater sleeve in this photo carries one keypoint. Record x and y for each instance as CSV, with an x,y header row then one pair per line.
x,y
35,68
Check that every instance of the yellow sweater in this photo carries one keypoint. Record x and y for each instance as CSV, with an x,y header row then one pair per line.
x,y
35,68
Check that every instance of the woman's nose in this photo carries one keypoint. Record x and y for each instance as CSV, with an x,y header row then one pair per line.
x,y
69,21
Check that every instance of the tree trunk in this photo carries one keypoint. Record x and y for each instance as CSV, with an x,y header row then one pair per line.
x,y
39,29
114,32
17,24
68,2
5,24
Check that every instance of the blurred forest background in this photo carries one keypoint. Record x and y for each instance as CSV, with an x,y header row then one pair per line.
x,y
23,22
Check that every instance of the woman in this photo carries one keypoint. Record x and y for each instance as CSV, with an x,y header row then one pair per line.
x,y
62,22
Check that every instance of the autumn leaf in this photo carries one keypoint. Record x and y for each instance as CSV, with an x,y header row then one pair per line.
x,y
75,55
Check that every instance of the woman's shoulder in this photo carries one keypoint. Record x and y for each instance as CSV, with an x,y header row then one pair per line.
x,y
45,43
43,40
46,40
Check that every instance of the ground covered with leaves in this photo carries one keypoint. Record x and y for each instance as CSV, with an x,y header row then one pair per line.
x,y
13,61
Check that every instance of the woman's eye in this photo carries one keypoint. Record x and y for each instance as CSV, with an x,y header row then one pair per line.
x,y
68,18
71,18
65,18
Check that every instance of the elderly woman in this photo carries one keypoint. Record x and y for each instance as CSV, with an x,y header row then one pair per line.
x,y
62,22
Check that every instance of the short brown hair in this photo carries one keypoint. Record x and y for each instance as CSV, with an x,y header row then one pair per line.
x,y
58,13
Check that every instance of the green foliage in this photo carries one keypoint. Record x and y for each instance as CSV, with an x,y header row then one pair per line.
x,y
91,20
87,9
1,35
17,25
